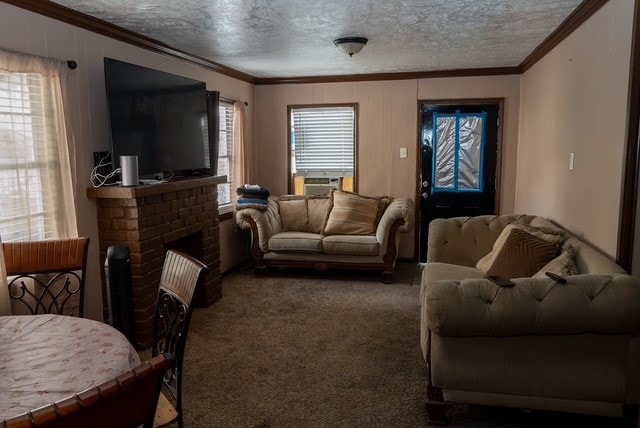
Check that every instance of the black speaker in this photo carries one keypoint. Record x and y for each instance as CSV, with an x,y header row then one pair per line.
x,y
117,272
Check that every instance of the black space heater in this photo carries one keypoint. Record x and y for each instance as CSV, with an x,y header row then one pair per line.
x,y
117,272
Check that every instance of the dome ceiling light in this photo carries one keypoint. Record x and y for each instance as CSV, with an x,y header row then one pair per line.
x,y
351,45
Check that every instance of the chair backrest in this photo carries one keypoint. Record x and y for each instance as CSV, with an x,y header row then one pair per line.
x,y
127,401
180,276
47,276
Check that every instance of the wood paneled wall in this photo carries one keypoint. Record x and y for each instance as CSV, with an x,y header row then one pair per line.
x,y
387,121
28,32
574,100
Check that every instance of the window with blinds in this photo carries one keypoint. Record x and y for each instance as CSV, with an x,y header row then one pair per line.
x,y
27,142
322,141
225,152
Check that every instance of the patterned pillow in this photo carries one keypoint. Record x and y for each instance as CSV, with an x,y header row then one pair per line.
x,y
522,255
549,235
318,208
563,265
294,215
352,214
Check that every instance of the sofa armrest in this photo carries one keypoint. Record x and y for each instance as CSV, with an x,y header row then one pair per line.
x,y
585,304
262,224
400,209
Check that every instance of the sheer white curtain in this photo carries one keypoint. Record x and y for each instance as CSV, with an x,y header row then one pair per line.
x,y
240,169
36,185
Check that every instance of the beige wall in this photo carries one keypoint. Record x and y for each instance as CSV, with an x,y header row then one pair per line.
x,y
574,100
25,31
387,121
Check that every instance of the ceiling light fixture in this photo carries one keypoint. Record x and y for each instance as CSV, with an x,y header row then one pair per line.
x,y
351,45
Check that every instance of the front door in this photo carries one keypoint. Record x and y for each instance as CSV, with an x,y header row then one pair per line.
x,y
459,145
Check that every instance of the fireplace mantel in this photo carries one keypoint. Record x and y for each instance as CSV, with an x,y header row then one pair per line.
x,y
150,219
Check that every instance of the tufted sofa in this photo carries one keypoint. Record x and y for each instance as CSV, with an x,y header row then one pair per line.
x,y
539,344
305,231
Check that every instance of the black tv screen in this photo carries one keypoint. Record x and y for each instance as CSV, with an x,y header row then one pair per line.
x,y
158,116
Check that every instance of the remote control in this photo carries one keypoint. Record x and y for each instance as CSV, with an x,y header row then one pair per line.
x,y
556,277
501,281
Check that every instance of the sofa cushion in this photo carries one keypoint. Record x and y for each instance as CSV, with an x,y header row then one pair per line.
x,y
436,271
351,244
546,234
294,215
352,214
563,265
521,255
301,242
318,209
598,304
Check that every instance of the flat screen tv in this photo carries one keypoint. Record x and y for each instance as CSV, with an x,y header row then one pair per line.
x,y
160,117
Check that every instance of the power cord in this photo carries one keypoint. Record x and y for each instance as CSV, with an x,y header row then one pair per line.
x,y
99,180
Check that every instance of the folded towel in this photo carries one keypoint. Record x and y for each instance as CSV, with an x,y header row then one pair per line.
x,y
260,193
260,206
243,201
252,186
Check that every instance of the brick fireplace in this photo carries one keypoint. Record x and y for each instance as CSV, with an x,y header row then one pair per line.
x,y
150,220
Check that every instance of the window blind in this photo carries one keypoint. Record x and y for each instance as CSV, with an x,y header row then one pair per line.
x,y
28,146
323,140
225,152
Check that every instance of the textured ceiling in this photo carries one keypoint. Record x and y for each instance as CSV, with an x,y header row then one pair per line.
x,y
293,38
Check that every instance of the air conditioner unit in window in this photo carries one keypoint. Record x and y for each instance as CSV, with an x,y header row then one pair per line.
x,y
320,186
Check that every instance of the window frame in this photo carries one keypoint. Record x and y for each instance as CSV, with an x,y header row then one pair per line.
x,y
226,207
356,121
37,168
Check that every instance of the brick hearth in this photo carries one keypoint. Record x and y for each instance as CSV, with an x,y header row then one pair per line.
x,y
151,219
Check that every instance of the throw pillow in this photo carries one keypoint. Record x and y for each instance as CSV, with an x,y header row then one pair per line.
x,y
294,215
522,255
546,234
352,214
556,236
318,208
563,265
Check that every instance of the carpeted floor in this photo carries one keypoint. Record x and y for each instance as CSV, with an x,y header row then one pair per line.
x,y
298,349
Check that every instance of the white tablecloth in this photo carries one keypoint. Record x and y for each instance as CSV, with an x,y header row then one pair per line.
x,y
45,358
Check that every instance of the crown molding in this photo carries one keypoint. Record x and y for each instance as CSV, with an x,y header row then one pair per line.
x,y
583,12
61,13
388,76
70,16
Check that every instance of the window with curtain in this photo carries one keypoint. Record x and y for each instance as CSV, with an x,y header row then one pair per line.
x,y
322,148
225,153
35,173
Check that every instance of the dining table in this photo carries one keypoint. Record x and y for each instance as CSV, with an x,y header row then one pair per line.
x,y
45,358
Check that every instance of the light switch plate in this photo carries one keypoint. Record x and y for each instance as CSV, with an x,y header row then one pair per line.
x,y
572,160
403,153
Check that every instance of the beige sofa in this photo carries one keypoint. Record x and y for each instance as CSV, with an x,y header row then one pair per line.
x,y
540,344
343,230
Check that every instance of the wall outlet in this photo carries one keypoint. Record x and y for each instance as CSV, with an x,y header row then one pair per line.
x,y
572,161
403,153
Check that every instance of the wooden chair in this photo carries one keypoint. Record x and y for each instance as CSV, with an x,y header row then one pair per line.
x,y
127,401
47,276
180,276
